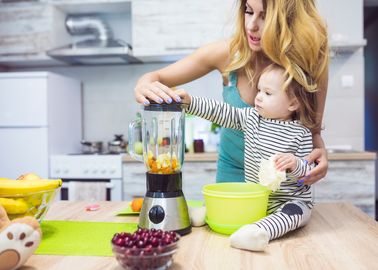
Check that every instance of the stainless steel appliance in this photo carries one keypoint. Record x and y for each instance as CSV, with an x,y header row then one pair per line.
x,y
118,145
88,169
103,48
88,147
164,206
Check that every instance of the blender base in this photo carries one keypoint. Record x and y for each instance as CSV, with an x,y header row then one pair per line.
x,y
168,214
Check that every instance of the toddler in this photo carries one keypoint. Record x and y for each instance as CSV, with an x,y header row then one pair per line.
x,y
277,128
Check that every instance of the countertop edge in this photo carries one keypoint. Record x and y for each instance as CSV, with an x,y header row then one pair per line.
x,y
213,156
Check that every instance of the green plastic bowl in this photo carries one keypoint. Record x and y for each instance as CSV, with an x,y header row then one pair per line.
x,y
232,205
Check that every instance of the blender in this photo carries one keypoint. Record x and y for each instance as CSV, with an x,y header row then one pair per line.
x,y
164,206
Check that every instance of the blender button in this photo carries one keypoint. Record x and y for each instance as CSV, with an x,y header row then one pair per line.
x,y
156,214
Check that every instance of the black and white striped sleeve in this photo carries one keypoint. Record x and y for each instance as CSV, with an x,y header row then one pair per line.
x,y
304,148
218,112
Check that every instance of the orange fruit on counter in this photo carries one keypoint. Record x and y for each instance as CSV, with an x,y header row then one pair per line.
x,y
136,204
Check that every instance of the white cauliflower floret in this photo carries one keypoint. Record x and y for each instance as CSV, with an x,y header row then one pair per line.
x,y
269,176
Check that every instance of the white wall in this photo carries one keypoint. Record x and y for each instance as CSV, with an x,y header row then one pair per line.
x,y
109,101
344,113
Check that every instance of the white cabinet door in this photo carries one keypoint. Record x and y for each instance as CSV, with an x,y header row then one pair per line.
x,y
23,102
23,150
163,27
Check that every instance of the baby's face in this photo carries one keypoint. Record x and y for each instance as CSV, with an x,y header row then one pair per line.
x,y
271,100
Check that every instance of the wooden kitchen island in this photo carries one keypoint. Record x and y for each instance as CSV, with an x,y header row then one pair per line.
x,y
338,236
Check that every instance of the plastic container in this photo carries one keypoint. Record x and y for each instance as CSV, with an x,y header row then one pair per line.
x,y
232,205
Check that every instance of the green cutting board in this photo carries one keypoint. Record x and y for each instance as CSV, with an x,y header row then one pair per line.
x,y
80,238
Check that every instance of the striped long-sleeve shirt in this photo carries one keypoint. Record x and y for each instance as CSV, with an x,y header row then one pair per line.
x,y
263,138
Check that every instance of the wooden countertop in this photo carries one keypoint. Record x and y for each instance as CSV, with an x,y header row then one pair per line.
x,y
213,156
338,236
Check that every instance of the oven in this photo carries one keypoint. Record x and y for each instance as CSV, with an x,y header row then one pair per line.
x,y
89,177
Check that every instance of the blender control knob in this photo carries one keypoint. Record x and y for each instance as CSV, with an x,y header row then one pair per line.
x,y
156,214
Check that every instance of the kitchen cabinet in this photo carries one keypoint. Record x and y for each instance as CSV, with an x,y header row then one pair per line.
x,y
27,30
352,180
350,177
168,28
195,174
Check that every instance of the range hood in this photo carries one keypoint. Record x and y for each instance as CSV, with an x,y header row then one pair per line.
x,y
102,49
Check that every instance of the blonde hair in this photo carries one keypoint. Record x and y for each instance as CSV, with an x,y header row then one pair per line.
x,y
307,101
294,37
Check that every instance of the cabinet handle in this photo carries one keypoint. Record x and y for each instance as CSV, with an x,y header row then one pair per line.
x,y
210,170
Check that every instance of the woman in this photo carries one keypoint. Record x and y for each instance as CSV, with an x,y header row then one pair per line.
x,y
290,33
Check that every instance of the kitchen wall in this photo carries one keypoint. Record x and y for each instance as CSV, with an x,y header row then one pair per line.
x,y
108,90
109,103
343,117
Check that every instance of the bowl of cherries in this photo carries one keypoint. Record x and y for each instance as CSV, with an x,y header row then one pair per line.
x,y
145,248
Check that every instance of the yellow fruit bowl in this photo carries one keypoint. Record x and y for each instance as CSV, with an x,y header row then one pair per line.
x,y
28,197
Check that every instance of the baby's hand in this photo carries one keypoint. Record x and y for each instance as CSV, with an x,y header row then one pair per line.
x,y
185,97
285,161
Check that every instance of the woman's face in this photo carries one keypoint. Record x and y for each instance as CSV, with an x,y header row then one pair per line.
x,y
254,16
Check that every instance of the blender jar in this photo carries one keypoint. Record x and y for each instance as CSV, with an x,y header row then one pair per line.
x,y
162,137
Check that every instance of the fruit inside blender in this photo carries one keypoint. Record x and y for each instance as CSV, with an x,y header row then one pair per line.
x,y
165,163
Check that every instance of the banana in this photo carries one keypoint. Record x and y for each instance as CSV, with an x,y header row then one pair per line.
x,y
10,187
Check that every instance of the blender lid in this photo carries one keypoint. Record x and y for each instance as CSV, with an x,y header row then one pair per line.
x,y
172,107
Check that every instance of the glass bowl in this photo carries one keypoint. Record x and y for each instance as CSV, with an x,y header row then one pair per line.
x,y
35,204
145,249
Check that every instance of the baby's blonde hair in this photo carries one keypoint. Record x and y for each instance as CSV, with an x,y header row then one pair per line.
x,y
307,101
294,37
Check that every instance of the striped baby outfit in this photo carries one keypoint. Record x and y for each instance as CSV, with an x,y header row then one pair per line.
x,y
290,206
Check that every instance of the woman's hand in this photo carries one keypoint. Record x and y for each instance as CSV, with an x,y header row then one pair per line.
x,y
145,91
320,156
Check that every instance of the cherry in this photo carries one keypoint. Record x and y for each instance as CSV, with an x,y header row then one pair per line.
x,y
119,242
141,244
142,238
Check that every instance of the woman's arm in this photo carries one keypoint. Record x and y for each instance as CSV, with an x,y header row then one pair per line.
x,y
156,85
319,154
